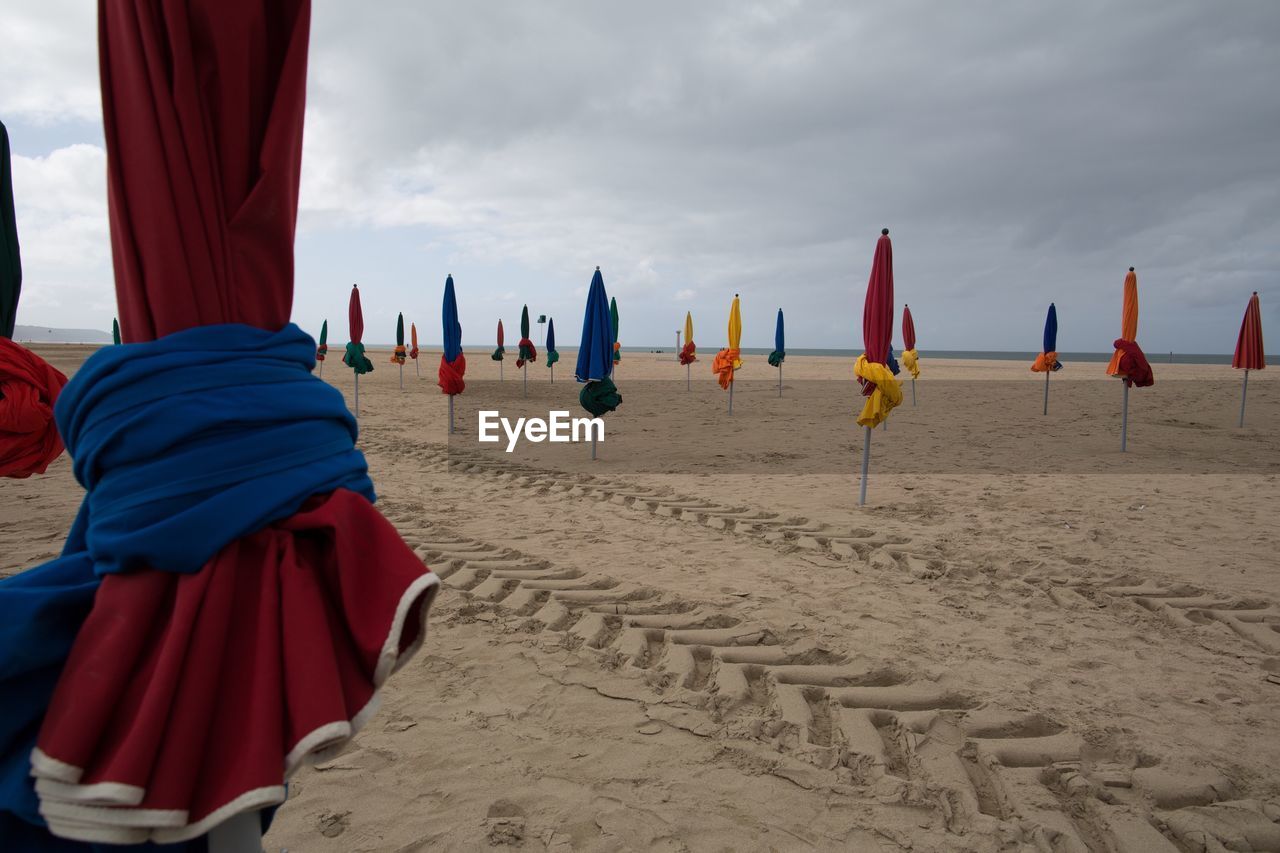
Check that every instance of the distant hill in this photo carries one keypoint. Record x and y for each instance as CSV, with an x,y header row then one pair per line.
x,y
45,335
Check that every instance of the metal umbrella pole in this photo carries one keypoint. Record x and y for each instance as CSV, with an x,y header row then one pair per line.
x,y
678,345
866,463
357,411
525,369
731,389
779,379
913,391
322,370
450,414
1046,392
1244,393
416,371
402,376
1124,418
688,382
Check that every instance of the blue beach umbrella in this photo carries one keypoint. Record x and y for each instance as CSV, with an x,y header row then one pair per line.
x,y
453,364
892,362
595,355
1047,361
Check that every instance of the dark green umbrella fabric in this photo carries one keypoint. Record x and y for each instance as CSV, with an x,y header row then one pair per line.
x,y
552,355
600,396
527,351
322,348
115,332
10,260
613,319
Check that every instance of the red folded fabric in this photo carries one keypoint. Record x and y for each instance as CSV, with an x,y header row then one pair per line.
x,y
451,373
183,693
1133,365
687,353
29,386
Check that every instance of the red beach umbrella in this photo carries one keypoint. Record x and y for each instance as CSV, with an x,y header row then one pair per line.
x,y
1249,352
910,358
879,386
245,600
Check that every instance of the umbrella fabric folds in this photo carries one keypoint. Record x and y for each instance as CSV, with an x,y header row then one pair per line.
x,y
527,350
613,319
354,357
552,355
1249,354
115,334
413,341
322,348
779,353
29,386
1047,360
453,364
882,391
892,362
595,354
1128,361
399,354
687,353
228,602
729,359
498,353
910,358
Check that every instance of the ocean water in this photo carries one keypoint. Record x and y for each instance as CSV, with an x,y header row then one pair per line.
x,y
996,355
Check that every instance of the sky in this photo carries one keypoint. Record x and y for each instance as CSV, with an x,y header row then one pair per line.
x,y
1020,153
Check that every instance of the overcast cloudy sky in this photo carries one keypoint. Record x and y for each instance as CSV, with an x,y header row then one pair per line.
x,y
1020,153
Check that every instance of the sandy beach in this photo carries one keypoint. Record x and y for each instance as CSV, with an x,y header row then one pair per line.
x,y
1026,641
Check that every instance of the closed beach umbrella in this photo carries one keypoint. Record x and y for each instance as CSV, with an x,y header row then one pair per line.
x,y
500,351
1128,362
413,347
1249,353
910,358
115,333
322,348
882,391
29,386
399,354
552,355
354,357
527,352
613,319
729,359
688,352
595,356
1047,361
213,620
779,353
453,364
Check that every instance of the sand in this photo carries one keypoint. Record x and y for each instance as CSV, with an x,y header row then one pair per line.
x,y
1025,641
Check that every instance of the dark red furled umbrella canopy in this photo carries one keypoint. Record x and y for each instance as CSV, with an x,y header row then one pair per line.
x,y
355,316
877,310
189,697
1249,352
908,329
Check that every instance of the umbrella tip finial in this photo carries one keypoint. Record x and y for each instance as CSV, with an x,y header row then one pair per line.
x,y
1130,269
597,269
884,231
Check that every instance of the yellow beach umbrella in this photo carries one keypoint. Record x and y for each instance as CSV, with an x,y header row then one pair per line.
x,y
687,356
729,359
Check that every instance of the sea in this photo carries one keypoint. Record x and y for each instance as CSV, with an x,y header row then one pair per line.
x,y
995,355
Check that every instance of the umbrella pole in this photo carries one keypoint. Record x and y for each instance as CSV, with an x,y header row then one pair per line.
x,y
322,370
357,397
553,374
499,371
416,371
593,445
1046,392
1124,419
1244,392
688,383
450,414
913,391
779,379
731,390
241,833
526,378
866,463
402,376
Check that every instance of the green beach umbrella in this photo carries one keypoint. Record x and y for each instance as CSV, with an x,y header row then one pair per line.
x,y
115,332
398,355
613,319
527,351
10,259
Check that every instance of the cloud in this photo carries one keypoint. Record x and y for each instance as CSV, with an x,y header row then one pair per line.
x,y
1019,154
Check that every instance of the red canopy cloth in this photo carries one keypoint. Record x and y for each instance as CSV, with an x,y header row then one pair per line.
x,y
908,329
877,309
188,698
450,375
355,315
29,387
1133,365
1249,352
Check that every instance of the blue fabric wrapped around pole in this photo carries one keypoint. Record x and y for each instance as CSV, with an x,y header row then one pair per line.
x,y
891,362
595,353
217,423
779,353
452,328
1051,329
